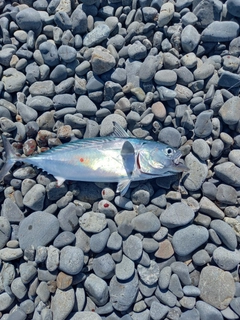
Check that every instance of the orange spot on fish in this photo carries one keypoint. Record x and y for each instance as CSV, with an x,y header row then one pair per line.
x,y
81,159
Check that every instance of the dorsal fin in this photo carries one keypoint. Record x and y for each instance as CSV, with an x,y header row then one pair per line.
x,y
118,131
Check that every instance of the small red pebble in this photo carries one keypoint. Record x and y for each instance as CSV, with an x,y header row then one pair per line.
x,y
106,205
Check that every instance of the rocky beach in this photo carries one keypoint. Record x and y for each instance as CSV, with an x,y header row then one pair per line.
x,y
167,71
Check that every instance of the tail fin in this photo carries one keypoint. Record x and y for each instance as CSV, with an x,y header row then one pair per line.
x,y
10,155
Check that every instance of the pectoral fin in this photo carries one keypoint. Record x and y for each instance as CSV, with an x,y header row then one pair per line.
x,y
60,181
123,186
118,131
128,156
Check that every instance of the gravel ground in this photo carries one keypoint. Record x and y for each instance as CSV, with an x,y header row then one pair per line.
x,y
164,70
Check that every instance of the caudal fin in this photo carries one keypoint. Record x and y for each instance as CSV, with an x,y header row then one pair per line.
x,y
10,155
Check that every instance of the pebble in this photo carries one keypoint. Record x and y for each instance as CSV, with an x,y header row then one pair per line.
x,y
62,303
122,294
146,222
97,35
228,173
187,239
226,259
213,279
176,215
125,269
104,266
38,229
163,71
197,173
93,222
220,31
132,247
71,260
225,233
98,241
97,289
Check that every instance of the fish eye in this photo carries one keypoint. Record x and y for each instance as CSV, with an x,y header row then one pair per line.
x,y
169,151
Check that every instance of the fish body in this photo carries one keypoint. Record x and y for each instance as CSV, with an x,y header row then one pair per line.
x,y
118,158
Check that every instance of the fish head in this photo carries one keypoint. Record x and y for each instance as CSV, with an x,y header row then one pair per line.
x,y
160,160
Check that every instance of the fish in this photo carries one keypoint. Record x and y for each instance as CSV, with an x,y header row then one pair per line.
x,y
117,158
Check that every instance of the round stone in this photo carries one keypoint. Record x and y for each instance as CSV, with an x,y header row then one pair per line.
x,y
38,229
71,260
93,222
146,222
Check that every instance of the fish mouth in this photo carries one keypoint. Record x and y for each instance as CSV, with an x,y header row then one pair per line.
x,y
178,162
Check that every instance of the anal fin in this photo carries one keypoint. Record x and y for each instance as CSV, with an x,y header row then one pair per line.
x,y
123,186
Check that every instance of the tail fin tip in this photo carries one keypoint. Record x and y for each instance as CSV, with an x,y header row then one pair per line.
x,y
10,155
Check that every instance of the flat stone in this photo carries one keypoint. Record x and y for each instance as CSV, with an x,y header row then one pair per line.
x,y
97,289
211,282
225,233
9,254
187,239
125,269
146,222
226,259
38,229
62,303
207,311
210,208
71,260
220,31
228,173
149,275
197,174
93,222
97,35
230,112
176,215
132,247
123,294
13,80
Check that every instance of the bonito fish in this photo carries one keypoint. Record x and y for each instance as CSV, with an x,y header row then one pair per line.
x,y
117,158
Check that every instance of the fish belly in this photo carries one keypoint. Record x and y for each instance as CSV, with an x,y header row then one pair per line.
x,y
82,165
